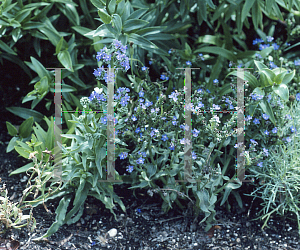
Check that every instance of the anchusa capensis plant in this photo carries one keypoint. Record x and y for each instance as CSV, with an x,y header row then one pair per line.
x,y
156,129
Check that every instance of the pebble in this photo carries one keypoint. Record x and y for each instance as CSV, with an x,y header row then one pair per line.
x,y
112,232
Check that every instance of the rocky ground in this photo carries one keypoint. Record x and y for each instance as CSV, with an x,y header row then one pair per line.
x,y
144,226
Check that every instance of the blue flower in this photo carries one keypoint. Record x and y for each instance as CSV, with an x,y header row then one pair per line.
x,y
270,38
200,91
288,139
141,93
123,102
253,141
163,77
140,160
138,210
164,137
201,56
129,169
273,65
133,118
208,90
215,81
172,147
194,156
103,120
274,130
266,152
195,132
148,104
288,117
123,155
257,40
258,55
144,68
266,132
188,63
293,129
137,130
150,62
143,154
263,46
276,47
260,164
173,96
298,96
93,243
256,121
170,51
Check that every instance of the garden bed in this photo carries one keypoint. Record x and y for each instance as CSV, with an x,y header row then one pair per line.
x,y
144,226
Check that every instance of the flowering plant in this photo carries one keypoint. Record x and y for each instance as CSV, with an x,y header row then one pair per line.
x,y
156,129
278,172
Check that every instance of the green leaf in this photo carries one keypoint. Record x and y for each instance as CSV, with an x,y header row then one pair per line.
x,y
211,4
98,3
32,25
79,191
270,75
133,24
288,77
253,83
252,108
11,129
230,186
40,69
256,15
100,155
210,39
260,65
279,77
269,4
202,9
218,51
265,52
267,110
52,35
6,48
246,9
277,12
82,30
11,145
111,7
23,152
117,21
60,217
26,113
22,169
71,14
282,90
105,17
26,127
137,14
42,86
141,41
65,59
59,45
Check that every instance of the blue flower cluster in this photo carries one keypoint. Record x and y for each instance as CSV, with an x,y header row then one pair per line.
x,y
118,53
